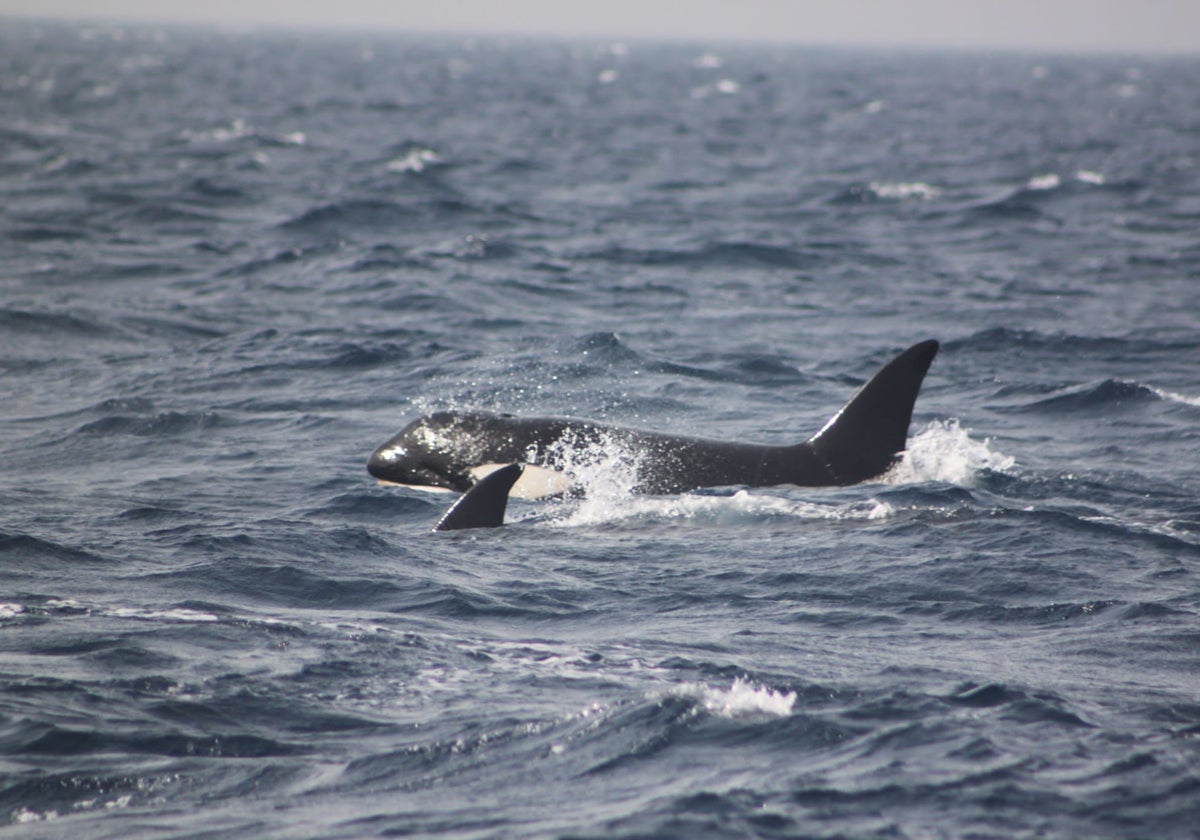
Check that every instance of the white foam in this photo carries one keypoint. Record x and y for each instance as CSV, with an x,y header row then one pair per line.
x,y
11,610
181,614
236,129
741,506
945,451
726,87
741,699
1049,181
903,190
25,815
1176,397
417,160
1088,176
71,606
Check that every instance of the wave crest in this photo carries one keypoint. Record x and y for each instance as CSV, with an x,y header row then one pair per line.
x,y
741,699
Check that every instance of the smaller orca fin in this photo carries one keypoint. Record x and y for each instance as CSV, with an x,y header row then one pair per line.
x,y
865,437
483,505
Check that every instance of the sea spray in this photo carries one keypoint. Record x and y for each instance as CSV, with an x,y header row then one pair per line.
x,y
945,451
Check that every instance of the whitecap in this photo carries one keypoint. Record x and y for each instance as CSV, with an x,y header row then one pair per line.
x,y
26,815
741,699
1049,181
66,605
236,129
1173,396
902,190
416,160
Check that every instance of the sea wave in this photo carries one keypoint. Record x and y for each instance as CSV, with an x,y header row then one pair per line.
x,y
214,621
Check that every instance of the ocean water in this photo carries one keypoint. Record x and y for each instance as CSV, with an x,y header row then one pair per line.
x,y
233,264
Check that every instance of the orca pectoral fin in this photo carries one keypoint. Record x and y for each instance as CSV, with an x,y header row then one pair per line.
x,y
864,438
483,505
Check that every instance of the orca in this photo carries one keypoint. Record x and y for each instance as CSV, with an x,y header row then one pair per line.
x,y
483,505
453,450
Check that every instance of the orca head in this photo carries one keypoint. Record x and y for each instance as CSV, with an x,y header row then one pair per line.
x,y
421,455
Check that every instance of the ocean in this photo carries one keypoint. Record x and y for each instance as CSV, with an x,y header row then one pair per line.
x,y
234,263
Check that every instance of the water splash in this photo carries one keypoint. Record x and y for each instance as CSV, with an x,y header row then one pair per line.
x,y
602,465
945,451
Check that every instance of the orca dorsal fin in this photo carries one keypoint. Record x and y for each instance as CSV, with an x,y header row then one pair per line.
x,y
483,505
865,437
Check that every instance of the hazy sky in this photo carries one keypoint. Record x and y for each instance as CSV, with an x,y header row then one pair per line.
x,y
1125,25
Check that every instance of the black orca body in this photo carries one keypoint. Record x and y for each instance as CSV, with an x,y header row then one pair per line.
x,y
453,450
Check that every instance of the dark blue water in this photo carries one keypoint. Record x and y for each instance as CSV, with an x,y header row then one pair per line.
x,y
232,265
